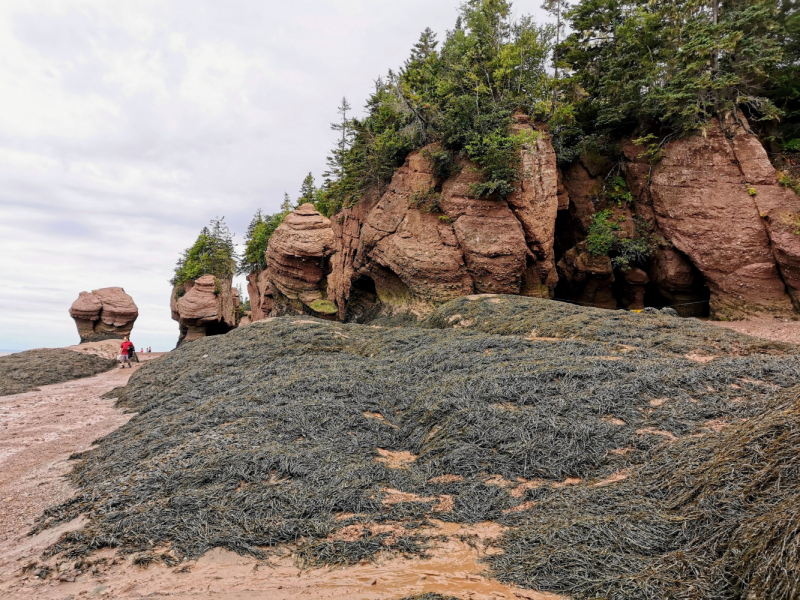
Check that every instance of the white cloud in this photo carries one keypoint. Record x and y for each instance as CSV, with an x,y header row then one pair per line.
x,y
126,126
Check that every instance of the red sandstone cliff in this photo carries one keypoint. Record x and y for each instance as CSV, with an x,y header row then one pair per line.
x,y
388,255
724,229
717,200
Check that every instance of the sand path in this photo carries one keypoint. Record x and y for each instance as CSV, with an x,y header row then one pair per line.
x,y
776,330
40,430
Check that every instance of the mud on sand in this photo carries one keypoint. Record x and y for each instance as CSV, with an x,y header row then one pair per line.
x,y
40,430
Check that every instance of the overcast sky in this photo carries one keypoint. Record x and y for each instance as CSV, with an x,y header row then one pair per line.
x,y
125,126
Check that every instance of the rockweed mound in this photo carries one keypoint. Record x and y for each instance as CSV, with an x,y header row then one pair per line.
x,y
312,436
26,371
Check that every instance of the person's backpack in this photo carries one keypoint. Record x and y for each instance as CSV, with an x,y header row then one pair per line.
x,y
130,351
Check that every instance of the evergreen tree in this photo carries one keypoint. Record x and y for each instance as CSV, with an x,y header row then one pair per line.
x,y
463,95
425,46
286,205
673,63
213,253
307,191
257,238
557,8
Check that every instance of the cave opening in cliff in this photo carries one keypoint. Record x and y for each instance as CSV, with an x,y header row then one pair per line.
x,y
217,328
564,236
364,303
693,302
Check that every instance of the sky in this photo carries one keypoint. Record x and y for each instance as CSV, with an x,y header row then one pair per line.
x,y
126,126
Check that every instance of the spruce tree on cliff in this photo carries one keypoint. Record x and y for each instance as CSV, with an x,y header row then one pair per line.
x,y
307,191
213,253
259,232
674,63
462,95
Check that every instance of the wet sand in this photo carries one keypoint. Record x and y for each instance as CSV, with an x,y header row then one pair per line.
x,y
40,430
771,329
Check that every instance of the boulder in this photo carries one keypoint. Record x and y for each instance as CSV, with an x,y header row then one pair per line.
x,y
203,307
104,314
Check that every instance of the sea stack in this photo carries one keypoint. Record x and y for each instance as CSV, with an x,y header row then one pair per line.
x,y
104,314
203,307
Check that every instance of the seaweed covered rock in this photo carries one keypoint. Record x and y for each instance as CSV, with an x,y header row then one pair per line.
x,y
205,306
104,314
26,371
713,516
278,434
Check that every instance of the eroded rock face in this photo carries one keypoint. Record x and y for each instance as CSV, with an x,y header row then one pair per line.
x,y
721,227
389,255
260,292
297,261
206,306
415,259
710,196
104,314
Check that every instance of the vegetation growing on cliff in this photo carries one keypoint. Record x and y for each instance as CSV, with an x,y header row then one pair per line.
x,y
628,65
256,239
603,240
462,95
213,253
675,64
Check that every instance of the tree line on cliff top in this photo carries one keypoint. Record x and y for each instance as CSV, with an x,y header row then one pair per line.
x,y
602,70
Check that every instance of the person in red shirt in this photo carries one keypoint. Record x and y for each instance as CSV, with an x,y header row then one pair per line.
x,y
125,353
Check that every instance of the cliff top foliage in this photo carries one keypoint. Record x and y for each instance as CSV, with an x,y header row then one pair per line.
x,y
270,440
261,228
213,253
669,67
461,93
628,66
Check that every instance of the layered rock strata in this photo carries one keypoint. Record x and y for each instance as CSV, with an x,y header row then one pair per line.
x,y
104,314
298,265
205,306
723,236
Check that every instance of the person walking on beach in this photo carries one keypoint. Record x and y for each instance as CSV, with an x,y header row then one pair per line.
x,y
126,350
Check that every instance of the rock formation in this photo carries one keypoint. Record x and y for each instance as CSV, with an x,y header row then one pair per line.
x,y
260,292
206,306
723,236
297,263
105,314
388,254
716,198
